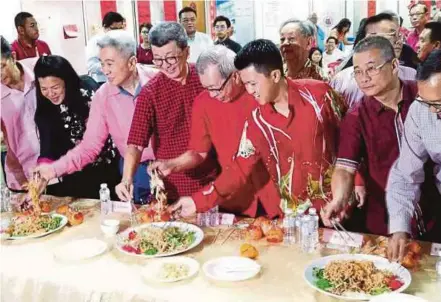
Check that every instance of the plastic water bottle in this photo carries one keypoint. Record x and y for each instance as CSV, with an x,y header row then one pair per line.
x,y
289,228
298,227
438,272
106,203
306,234
314,229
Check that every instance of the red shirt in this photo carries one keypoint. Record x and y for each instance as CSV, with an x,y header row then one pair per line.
x,y
163,111
220,125
298,150
25,51
372,132
144,56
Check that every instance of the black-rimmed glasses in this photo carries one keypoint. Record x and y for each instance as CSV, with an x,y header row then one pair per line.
x,y
168,60
219,90
435,104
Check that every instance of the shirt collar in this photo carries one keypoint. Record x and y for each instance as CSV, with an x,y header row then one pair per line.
x,y
143,79
25,45
407,96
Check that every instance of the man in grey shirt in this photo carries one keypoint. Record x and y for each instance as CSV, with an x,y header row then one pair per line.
x,y
421,143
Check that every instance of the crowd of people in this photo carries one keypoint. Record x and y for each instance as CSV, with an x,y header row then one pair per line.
x,y
254,129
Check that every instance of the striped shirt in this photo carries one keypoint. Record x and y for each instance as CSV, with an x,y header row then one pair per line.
x,y
421,142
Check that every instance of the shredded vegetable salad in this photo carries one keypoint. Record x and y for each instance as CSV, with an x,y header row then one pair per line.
x,y
31,225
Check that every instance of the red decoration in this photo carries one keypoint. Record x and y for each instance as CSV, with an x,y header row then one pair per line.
x,y
107,6
144,14
372,8
170,10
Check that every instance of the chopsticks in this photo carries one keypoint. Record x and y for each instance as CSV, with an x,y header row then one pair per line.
x,y
340,229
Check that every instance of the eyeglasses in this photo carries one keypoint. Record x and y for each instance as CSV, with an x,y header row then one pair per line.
x,y
219,90
370,72
168,60
434,104
189,20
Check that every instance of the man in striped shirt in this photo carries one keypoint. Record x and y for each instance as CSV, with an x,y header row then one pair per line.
x,y
421,144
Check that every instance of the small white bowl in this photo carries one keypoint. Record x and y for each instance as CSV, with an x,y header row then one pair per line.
x,y
110,227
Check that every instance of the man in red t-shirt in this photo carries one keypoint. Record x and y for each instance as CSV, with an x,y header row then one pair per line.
x,y
27,44
219,114
294,131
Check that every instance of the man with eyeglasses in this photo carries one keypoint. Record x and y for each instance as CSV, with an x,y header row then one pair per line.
x,y
387,26
219,114
197,41
222,26
372,134
419,16
421,146
163,112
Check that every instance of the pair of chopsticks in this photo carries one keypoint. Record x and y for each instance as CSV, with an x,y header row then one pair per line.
x,y
340,229
225,240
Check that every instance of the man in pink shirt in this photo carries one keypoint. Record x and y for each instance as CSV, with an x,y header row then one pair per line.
x,y
18,103
111,111
419,16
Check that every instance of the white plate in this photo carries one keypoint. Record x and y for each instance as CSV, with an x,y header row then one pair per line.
x,y
231,268
199,236
80,249
84,204
397,297
379,262
152,270
62,225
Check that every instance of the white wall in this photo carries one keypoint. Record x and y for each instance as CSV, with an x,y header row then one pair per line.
x,y
8,11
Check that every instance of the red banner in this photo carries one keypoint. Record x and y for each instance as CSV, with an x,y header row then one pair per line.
x,y
144,14
170,10
107,6
372,8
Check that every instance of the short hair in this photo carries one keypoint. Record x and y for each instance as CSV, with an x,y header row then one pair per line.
x,y
187,9
220,56
165,32
306,27
147,25
110,18
394,15
430,66
121,40
376,42
6,50
332,38
220,19
262,54
418,3
20,18
372,20
435,31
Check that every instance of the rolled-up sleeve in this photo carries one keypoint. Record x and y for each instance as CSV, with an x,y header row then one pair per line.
x,y
350,142
406,175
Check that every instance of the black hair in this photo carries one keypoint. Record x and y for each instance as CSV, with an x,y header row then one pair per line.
x,y
20,19
262,54
332,38
6,50
345,22
147,25
361,34
220,19
187,9
57,66
430,66
110,18
311,52
435,31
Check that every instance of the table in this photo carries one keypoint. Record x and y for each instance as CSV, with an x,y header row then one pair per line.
x,y
29,272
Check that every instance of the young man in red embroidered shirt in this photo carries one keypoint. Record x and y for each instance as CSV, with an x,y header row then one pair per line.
x,y
219,114
293,131
163,113
27,44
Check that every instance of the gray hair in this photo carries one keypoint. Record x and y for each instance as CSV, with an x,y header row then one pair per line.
x,y
220,56
394,15
121,40
376,42
165,32
307,28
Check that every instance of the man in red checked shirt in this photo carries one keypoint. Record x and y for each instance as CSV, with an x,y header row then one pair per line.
x,y
163,113
27,45
219,114
293,131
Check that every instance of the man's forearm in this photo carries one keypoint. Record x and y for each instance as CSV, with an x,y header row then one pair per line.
x,y
131,161
188,160
342,184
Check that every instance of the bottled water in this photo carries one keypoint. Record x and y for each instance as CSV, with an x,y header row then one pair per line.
x,y
298,226
306,234
314,223
106,203
289,228
438,271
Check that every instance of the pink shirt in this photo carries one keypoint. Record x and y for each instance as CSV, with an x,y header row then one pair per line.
x,y
17,119
111,113
412,39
